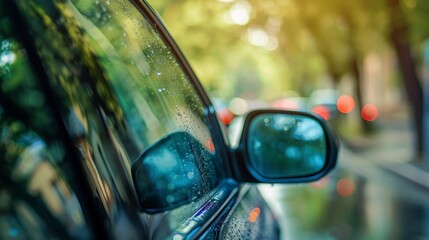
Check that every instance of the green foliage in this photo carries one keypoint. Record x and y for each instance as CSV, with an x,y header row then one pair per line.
x,y
313,39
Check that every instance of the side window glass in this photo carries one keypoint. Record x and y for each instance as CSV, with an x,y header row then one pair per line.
x,y
158,101
156,95
37,198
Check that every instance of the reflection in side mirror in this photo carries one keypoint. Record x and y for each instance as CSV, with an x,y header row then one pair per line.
x,y
286,146
282,145
172,172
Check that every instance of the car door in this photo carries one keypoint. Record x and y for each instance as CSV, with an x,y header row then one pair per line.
x,y
144,136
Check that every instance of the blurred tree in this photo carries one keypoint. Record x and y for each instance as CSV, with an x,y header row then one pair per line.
x,y
344,34
294,44
238,34
399,36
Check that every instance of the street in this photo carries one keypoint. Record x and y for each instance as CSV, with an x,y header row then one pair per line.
x,y
359,200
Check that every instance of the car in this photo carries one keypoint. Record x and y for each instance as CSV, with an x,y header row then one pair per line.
x,y
105,132
324,103
292,103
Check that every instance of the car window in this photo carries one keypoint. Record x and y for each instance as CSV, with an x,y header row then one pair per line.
x,y
38,200
120,90
156,96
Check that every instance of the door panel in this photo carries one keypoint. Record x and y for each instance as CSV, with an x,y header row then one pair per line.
x,y
251,218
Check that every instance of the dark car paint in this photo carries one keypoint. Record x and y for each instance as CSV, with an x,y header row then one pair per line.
x,y
103,217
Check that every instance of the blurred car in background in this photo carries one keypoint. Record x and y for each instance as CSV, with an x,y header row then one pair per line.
x,y
105,132
324,103
292,103
226,116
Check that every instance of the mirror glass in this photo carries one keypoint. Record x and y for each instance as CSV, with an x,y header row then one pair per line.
x,y
284,145
174,171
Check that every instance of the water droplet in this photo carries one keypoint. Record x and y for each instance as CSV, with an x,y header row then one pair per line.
x,y
170,198
171,186
177,237
158,74
125,34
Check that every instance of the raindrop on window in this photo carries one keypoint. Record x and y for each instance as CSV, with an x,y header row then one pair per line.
x,y
178,237
171,186
190,175
170,198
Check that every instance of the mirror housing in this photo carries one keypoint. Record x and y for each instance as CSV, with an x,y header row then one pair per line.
x,y
282,146
170,173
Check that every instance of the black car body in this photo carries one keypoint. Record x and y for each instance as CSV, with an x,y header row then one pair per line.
x,y
105,132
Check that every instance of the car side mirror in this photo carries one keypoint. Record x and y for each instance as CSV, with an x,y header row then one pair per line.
x,y
169,173
279,146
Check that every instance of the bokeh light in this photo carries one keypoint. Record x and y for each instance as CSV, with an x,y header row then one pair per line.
x,y
240,13
322,183
254,214
345,104
346,187
285,104
369,112
210,145
322,111
238,106
226,116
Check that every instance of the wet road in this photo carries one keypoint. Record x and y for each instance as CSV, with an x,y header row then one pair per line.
x,y
357,201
